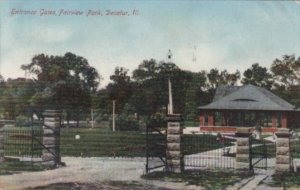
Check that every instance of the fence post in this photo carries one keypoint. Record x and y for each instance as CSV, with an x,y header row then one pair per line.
x,y
283,153
174,154
51,138
243,148
1,144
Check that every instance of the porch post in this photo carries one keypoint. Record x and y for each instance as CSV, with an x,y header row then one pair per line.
x,y
210,119
51,138
283,153
225,118
174,156
1,144
243,148
284,120
202,119
274,120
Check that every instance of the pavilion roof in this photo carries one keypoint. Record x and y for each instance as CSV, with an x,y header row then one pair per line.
x,y
248,97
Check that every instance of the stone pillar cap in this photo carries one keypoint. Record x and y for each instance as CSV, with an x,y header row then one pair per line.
x,y
243,129
243,132
283,132
52,112
174,117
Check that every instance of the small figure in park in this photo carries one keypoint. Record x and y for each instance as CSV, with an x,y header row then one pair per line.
x,y
258,130
274,136
220,139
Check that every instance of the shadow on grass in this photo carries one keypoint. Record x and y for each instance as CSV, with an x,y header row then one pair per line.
x,y
205,179
111,185
12,166
284,179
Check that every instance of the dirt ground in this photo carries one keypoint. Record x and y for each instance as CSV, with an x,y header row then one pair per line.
x,y
80,170
89,171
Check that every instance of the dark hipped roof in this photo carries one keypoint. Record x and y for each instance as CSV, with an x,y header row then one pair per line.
x,y
247,97
224,90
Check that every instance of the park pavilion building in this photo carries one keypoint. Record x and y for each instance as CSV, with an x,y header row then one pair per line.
x,y
246,106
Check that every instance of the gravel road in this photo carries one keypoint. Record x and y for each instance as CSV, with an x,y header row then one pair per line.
x,y
85,170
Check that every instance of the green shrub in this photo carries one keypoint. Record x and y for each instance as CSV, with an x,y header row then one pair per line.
x,y
22,121
127,124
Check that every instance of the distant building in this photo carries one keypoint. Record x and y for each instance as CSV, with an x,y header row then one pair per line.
x,y
246,106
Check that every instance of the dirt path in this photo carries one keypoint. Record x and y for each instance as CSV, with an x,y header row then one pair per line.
x,y
86,170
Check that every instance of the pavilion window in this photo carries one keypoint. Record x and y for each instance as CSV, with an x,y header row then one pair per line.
x,y
250,119
218,118
205,119
279,118
266,119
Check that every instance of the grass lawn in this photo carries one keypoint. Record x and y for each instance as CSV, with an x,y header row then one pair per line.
x,y
11,166
101,142
295,145
289,179
259,150
206,179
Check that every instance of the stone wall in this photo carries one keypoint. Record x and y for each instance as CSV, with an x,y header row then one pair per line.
x,y
51,136
174,154
243,148
283,154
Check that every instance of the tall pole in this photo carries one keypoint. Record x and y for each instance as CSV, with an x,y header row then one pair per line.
x,y
170,106
114,105
92,115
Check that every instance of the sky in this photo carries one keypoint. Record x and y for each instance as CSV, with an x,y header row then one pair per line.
x,y
200,34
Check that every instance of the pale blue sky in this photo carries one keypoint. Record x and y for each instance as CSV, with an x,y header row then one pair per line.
x,y
224,34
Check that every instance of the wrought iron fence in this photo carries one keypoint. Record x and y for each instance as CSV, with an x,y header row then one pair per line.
x,y
156,144
208,151
295,151
260,151
19,141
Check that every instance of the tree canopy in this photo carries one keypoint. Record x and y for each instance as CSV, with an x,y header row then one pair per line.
x,y
68,82
259,76
63,82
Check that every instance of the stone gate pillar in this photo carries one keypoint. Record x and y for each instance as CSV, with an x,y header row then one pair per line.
x,y
1,144
283,153
243,148
51,138
174,154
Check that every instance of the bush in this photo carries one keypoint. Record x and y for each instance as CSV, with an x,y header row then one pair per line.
x,y
127,124
158,122
22,121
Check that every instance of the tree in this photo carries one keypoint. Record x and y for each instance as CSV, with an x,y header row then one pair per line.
x,y
120,87
151,88
1,80
16,97
286,71
216,78
63,82
148,69
195,94
259,76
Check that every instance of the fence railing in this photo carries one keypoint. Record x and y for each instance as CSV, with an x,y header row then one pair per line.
x,y
295,151
209,151
19,142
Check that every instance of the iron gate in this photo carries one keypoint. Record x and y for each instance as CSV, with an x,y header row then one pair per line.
x,y
156,144
22,142
208,151
258,155
26,143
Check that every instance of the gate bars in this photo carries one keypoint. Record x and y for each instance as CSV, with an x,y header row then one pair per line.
x,y
208,151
